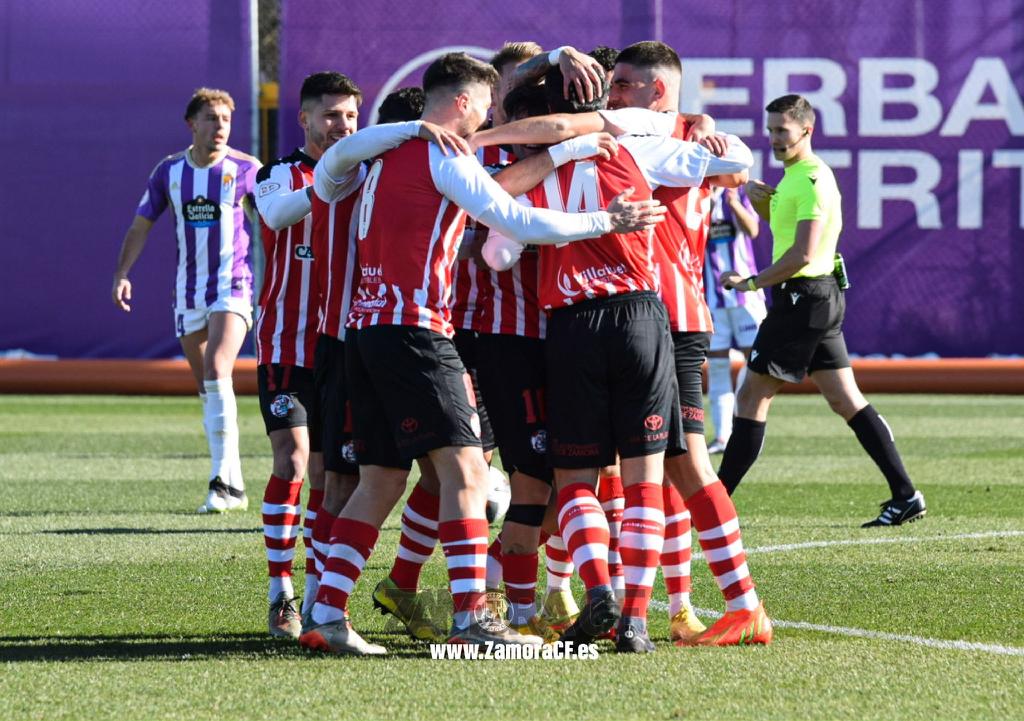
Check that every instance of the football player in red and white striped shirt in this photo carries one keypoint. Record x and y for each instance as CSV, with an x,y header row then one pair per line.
x,y
605,310
286,336
410,394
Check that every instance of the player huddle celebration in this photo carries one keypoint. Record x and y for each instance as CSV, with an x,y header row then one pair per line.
x,y
533,256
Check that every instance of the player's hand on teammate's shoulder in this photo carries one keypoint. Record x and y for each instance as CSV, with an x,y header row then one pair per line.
x,y
122,293
444,139
629,216
758,191
581,70
703,133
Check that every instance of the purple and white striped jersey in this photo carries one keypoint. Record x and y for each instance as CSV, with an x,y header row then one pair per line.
x,y
729,248
209,222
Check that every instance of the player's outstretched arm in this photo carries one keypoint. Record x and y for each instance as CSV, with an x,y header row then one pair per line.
x,y
131,249
527,173
468,185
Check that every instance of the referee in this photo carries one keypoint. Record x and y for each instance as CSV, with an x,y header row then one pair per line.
x,y
802,333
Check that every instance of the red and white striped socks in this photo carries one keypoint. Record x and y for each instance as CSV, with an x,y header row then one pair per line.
x,y
718,531
613,501
584,530
322,530
313,503
520,572
419,536
282,514
352,543
464,542
558,563
494,570
676,553
643,533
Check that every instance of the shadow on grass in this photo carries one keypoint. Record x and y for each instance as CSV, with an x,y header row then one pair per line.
x,y
142,531
147,647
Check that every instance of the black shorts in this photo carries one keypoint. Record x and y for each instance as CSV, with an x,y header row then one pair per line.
x,y
803,331
611,381
690,352
336,414
287,396
410,395
512,375
466,345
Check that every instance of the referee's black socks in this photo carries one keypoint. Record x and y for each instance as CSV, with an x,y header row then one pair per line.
x,y
876,437
741,451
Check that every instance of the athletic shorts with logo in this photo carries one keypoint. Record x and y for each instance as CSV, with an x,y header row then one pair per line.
x,y
410,394
288,399
192,320
335,437
512,374
803,331
466,345
611,381
689,350
735,327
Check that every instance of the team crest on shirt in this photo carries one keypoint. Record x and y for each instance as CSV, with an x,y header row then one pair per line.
x,y
227,180
281,406
539,441
348,452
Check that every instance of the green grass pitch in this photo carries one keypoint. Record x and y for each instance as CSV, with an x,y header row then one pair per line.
x,y
117,601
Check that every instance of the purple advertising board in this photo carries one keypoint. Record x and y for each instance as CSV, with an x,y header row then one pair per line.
x,y
93,96
919,113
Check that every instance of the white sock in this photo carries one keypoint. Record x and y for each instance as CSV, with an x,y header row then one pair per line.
x,y
322,613
522,613
723,400
461,619
279,585
221,419
309,594
676,601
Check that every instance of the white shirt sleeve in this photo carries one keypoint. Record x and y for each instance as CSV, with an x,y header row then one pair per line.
x,y
337,174
461,179
278,203
681,164
641,121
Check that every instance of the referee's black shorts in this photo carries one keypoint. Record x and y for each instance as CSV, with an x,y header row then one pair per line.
x,y
611,381
803,331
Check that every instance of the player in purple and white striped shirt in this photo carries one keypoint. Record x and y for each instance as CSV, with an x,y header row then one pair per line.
x,y
736,316
205,186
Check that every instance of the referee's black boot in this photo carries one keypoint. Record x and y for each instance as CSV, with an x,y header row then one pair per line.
x,y
896,512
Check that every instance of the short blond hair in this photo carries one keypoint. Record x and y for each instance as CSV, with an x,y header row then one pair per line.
x,y
207,96
516,52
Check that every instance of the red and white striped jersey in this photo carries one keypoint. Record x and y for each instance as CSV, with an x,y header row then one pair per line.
x,y
334,247
612,264
679,245
470,281
411,215
511,304
287,315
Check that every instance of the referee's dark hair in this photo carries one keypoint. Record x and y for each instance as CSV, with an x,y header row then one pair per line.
x,y
795,106
317,85
650,54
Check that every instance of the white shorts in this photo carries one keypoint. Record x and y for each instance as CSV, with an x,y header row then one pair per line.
x,y
190,320
736,327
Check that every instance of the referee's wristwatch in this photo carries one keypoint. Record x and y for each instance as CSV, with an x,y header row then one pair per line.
x,y
750,283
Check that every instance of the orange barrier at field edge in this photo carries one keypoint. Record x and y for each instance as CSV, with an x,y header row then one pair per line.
x,y
172,377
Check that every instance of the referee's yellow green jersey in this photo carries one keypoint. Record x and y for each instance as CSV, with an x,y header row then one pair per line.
x,y
808,191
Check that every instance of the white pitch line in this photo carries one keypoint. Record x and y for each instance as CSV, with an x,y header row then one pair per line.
x,y
879,541
941,643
